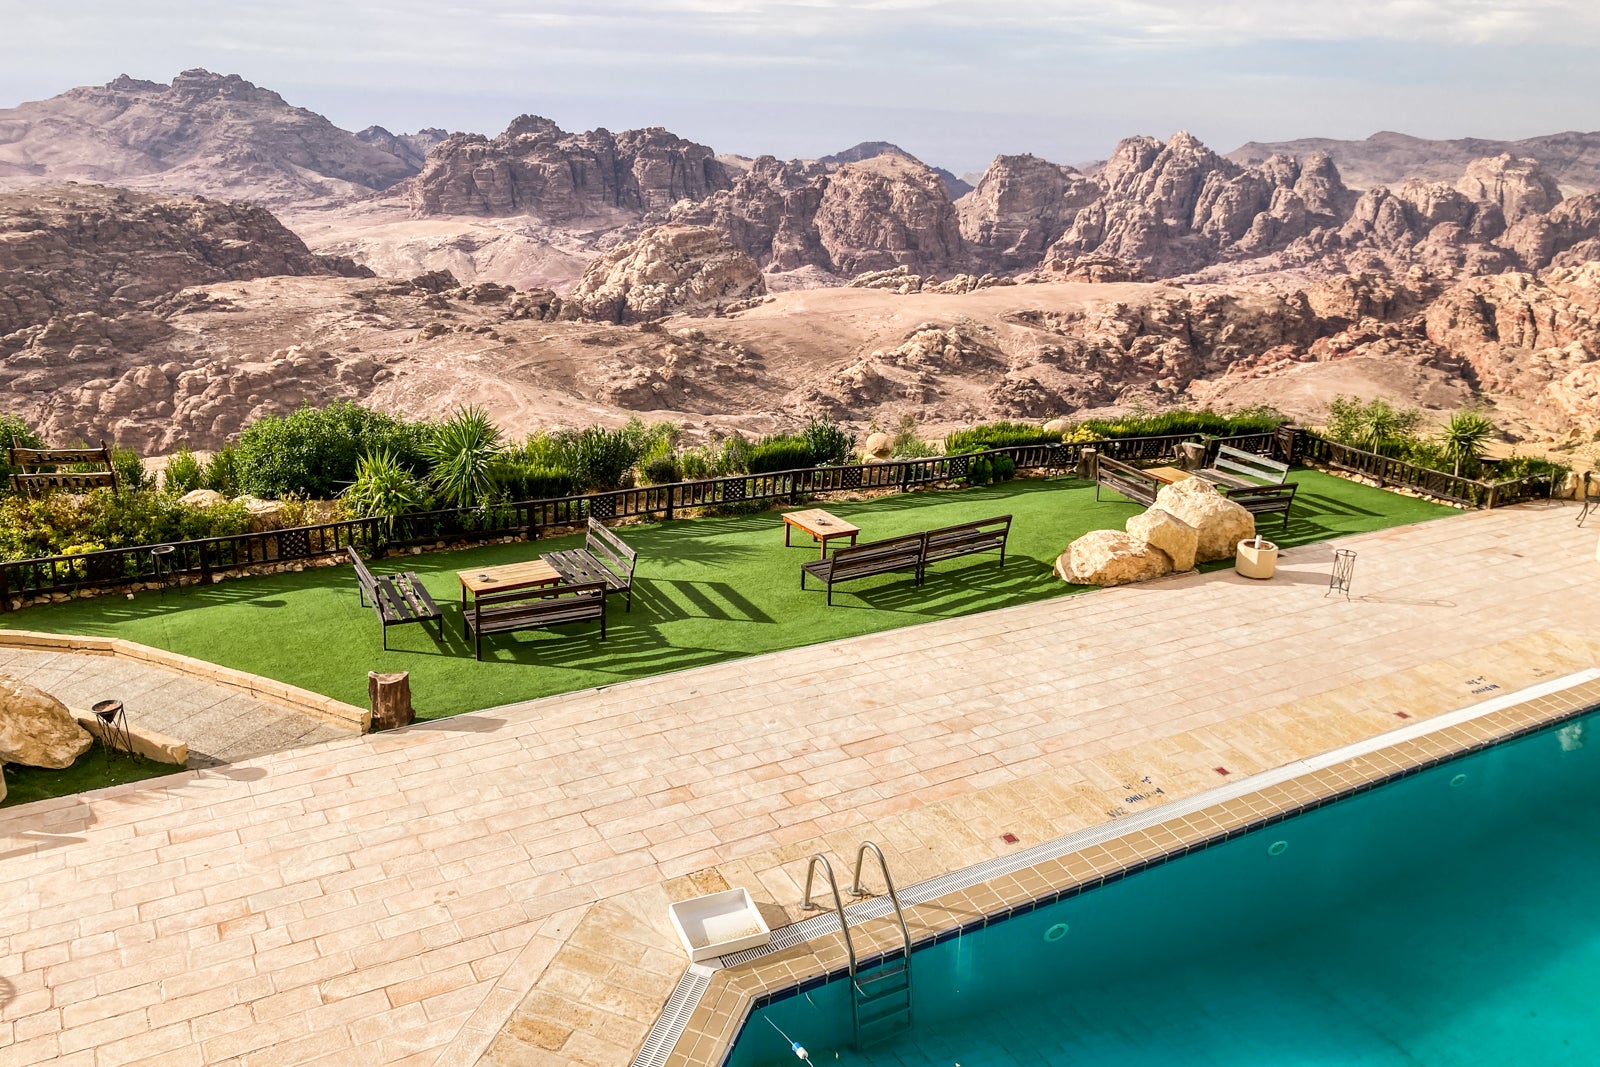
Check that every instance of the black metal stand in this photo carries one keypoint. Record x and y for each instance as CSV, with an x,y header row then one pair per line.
x,y
161,563
1344,567
118,738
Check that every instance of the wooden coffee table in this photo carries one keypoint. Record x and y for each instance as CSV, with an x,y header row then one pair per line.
x,y
820,525
1168,475
533,572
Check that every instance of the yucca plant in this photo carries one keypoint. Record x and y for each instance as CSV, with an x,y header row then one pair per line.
x,y
462,450
1464,437
383,488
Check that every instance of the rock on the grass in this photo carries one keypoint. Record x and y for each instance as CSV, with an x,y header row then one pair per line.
x,y
1220,523
36,729
1111,557
1169,533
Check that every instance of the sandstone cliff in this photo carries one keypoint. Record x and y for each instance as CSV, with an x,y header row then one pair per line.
x,y
217,135
667,269
537,168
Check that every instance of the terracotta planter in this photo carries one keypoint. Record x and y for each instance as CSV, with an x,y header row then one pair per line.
x,y
1256,558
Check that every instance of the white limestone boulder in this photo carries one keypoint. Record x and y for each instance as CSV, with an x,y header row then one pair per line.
x,y
1219,522
36,729
1111,557
1169,533
879,448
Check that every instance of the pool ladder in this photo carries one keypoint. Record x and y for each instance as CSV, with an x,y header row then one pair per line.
x,y
880,993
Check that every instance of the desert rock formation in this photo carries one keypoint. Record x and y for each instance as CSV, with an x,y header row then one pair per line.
x,y
210,134
666,269
537,168
36,729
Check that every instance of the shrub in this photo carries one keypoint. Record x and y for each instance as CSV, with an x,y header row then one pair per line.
x,y
907,442
463,450
131,475
518,478
601,458
781,452
184,473
14,433
699,462
735,458
828,444
996,435
660,470
1259,419
1529,466
1376,426
1004,468
1464,436
979,471
222,472
383,489
314,451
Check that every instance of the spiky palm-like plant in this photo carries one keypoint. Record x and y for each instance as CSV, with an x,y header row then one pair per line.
x,y
383,488
463,449
1465,435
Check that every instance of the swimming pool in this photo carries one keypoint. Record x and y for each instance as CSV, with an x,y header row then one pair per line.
x,y
1448,918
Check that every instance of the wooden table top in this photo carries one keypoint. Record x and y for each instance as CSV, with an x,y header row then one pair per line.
x,y
819,523
1168,474
509,576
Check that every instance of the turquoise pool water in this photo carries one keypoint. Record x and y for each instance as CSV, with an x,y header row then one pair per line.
x,y
1450,918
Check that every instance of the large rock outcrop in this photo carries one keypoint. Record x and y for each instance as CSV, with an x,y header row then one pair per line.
x,y
1179,540
92,249
36,729
1111,557
664,270
1020,207
206,133
1218,522
537,168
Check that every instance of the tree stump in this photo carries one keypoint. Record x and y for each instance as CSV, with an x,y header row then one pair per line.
x,y
1193,455
390,698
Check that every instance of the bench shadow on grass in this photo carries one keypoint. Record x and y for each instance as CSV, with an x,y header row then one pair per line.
x,y
628,651
951,592
671,599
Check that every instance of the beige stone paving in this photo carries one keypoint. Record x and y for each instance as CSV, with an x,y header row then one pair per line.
x,y
498,881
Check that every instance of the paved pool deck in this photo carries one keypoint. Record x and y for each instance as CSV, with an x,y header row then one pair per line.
x,y
493,887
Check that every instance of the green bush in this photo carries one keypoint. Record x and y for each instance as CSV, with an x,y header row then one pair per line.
x,y
1004,468
14,433
314,452
781,452
660,470
518,478
131,475
735,458
979,471
1375,425
907,442
184,473
996,435
828,444
222,472
702,462
383,489
1527,467
1180,421
463,450
599,458
55,523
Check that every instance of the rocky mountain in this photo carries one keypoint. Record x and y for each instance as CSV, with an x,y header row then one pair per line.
x,y
211,134
90,274
666,269
955,186
537,168
1388,158
409,148
1021,206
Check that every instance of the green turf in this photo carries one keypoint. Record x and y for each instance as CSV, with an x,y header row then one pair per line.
x,y
707,590
92,770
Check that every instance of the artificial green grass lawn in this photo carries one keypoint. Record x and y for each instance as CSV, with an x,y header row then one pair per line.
x,y
94,769
706,590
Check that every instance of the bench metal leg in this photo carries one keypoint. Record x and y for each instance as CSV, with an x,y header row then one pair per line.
x,y
386,637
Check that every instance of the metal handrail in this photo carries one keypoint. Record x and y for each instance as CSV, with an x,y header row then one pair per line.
x,y
894,898
806,904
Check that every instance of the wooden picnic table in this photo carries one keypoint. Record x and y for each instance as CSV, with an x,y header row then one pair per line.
x,y
1168,475
820,525
480,580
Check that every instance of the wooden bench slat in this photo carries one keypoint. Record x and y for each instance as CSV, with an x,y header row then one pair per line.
x,y
396,598
535,608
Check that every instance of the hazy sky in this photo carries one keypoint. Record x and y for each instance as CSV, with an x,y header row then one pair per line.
x,y
953,81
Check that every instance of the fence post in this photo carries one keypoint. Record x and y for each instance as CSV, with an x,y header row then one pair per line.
x,y
205,564
671,488
5,592
1494,490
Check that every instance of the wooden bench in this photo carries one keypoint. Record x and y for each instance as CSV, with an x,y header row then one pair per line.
x,y
532,609
1238,469
1126,479
1261,500
986,535
397,598
604,558
865,560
